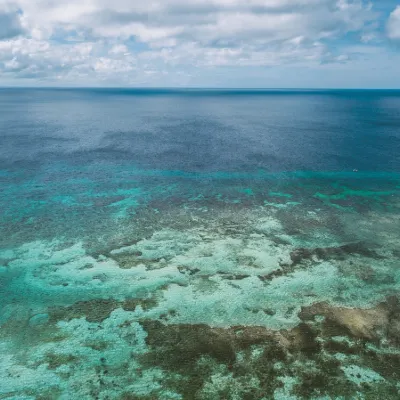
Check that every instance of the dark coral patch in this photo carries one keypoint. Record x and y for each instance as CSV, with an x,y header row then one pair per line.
x,y
96,310
339,253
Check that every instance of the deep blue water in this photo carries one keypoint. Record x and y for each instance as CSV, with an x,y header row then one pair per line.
x,y
202,130
199,244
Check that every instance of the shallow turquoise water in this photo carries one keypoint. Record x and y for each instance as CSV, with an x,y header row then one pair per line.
x,y
199,245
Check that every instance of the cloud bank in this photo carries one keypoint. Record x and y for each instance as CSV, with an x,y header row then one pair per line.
x,y
137,42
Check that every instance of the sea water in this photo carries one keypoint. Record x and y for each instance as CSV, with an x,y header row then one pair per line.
x,y
199,244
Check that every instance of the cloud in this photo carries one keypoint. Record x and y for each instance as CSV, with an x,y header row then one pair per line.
x,y
119,49
203,21
393,25
124,37
10,23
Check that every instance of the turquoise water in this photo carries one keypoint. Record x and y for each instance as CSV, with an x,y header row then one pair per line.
x,y
199,244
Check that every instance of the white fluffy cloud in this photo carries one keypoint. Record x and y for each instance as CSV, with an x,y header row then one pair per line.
x,y
202,21
128,37
393,25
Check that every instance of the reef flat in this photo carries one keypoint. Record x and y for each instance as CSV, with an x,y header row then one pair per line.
x,y
287,288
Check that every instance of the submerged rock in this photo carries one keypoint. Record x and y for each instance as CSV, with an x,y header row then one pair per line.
x,y
39,319
372,323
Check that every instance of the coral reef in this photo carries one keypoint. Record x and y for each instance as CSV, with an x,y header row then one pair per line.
x,y
208,298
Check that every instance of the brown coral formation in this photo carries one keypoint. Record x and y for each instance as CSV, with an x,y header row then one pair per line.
x,y
373,323
180,349
189,354
98,310
182,345
341,252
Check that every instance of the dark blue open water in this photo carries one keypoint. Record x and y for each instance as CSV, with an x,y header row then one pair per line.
x,y
199,244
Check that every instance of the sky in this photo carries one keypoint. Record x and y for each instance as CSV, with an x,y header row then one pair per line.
x,y
200,43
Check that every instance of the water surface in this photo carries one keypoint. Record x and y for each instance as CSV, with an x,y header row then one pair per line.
x,y
199,244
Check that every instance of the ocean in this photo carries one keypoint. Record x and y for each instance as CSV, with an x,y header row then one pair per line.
x,y
199,244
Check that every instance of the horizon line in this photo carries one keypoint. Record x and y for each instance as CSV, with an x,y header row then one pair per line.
x,y
178,88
